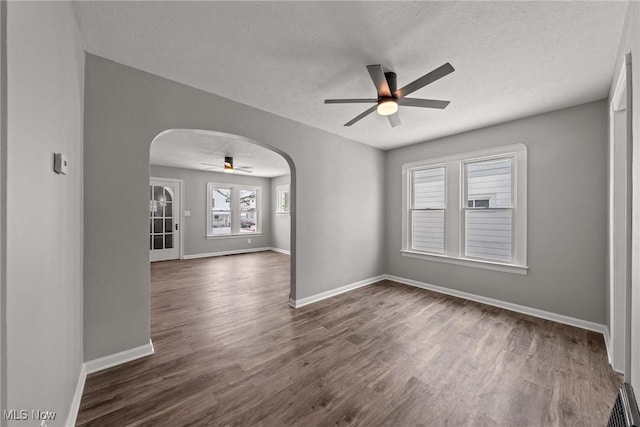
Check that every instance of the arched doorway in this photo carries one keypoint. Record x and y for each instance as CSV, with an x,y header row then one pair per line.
x,y
259,188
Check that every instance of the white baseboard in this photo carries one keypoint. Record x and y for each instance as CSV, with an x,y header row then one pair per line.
x,y
77,397
608,344
547,315
116,359
282,251
223,253
333,292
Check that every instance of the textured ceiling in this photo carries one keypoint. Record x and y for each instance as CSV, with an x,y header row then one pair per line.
x,y
185,148
512,59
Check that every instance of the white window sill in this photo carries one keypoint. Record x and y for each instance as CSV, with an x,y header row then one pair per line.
x,y
468,262
232,236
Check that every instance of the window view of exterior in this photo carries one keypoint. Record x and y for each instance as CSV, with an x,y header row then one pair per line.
x,y
248,211
488,216
427,210
220,211
232,210
283,199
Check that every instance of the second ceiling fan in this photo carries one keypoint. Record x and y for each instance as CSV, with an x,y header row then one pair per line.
x,y
228,166
390,97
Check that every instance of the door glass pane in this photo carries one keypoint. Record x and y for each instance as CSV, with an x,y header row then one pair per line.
x,y
168,210
168,225
168,241
168,195
157,241
488,234
158,193
157,226
428,231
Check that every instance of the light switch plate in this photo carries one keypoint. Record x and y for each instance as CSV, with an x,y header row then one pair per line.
x,y
187,213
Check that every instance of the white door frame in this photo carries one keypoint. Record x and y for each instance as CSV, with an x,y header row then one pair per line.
x,y
180,212
618,337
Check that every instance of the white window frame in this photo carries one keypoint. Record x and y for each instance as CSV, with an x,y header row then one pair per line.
x,y
235,210
456,206
281,209
412,208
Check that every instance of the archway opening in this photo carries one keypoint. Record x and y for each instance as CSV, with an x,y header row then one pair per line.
x,y
213,193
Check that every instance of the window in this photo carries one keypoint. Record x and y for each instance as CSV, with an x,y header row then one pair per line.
x,y
468,209
478,202
283,199
488,219
427,210
220,211
248,211
232,210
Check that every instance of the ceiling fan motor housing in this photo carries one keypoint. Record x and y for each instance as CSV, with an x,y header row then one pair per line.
x,y
392,81
228,162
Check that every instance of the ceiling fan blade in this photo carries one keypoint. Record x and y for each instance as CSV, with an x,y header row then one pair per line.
x,y
350,101
211,165
425,103
428,78
394,120
361,116
243,168
379,79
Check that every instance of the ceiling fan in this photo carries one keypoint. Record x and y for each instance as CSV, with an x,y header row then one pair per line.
x,y
228,167
389,97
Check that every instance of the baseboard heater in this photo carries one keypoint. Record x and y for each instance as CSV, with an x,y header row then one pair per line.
x,y
625,410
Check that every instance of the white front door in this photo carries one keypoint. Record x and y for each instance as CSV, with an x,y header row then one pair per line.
x,y
164,219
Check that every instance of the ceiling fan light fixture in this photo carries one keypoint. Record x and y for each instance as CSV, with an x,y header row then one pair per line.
x,y
387,107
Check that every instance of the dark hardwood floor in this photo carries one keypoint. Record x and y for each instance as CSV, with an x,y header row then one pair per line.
x,y
229,351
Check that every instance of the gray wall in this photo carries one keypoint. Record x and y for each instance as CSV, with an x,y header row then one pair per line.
x,y
194,227
630,42
124,110
44,209
567,213
3,207
281,223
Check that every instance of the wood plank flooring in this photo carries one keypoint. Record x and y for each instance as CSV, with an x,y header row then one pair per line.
x,y
229,351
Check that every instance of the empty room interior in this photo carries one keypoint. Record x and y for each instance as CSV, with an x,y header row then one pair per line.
x,y
319,213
